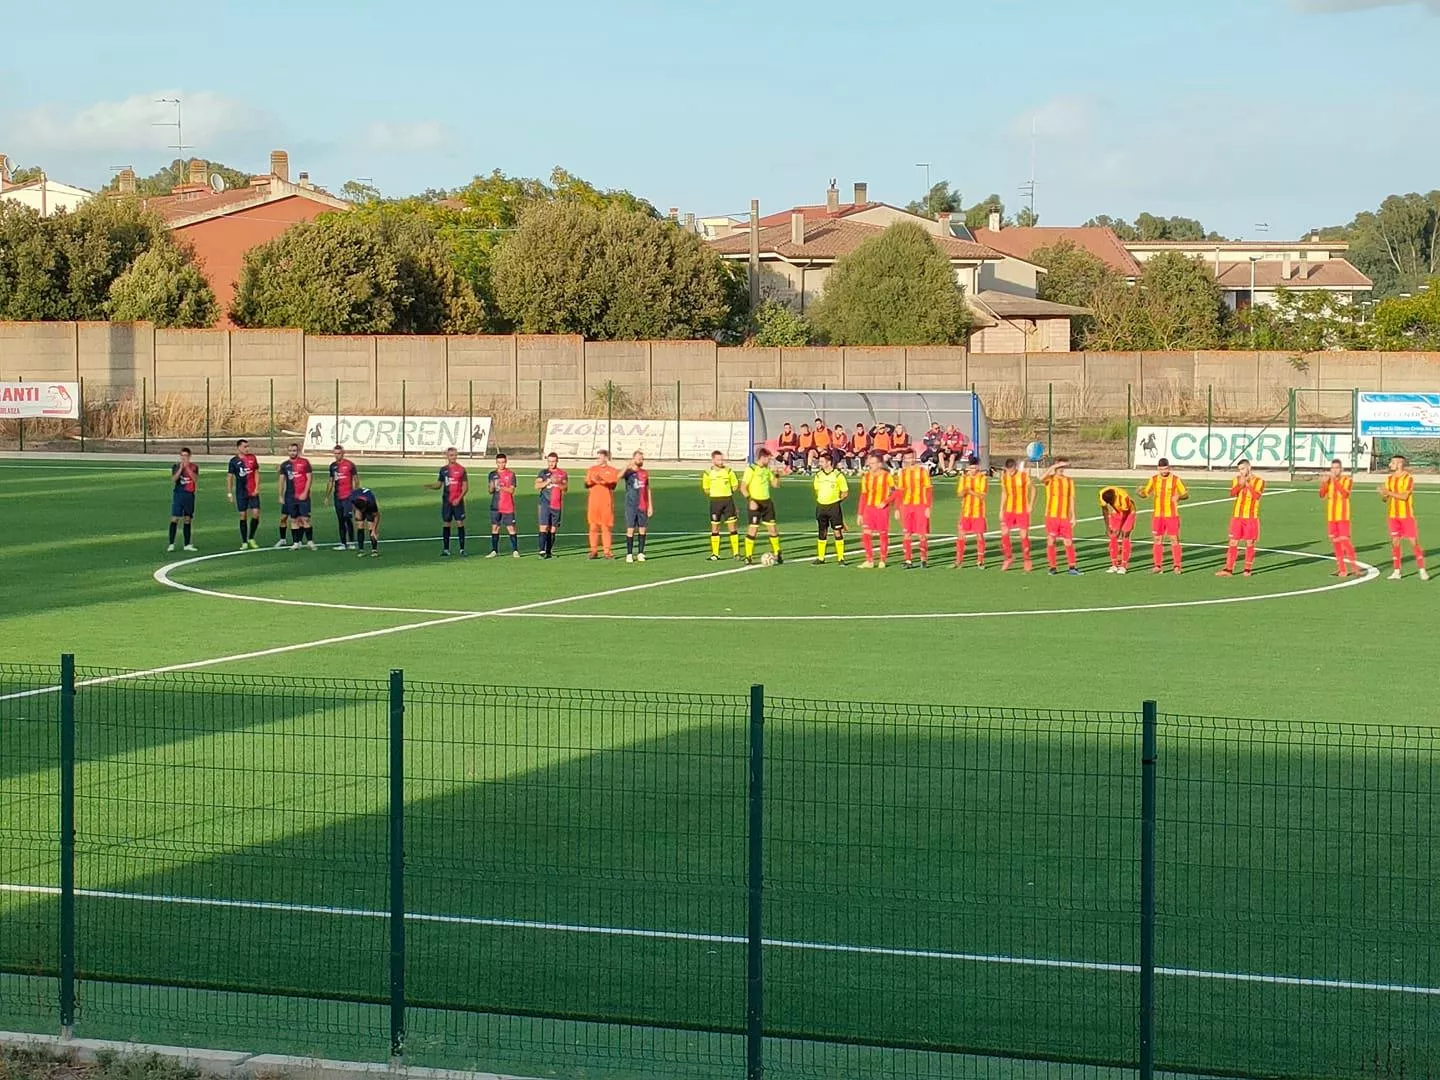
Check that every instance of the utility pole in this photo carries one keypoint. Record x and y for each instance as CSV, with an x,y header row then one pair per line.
x,y
754,254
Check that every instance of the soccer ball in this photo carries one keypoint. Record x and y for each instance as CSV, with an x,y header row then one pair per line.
x,y
1035,452
768,559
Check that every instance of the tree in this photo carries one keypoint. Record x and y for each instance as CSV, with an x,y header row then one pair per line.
x,y
978,216
610,274
356,191
1122,228
1026,218
1411,323
25,175
352,274
1176,304
1073,276
164,180
1300,322
896,289
1151,227
164,286
938,200
1398,245
779,324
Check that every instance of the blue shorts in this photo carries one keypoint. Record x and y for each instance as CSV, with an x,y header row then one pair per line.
x,y
182,504
503,519
549,516
343,508
246,502
636,518
452,512
296,508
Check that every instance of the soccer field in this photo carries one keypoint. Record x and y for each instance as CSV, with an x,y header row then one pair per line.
x,y
951,760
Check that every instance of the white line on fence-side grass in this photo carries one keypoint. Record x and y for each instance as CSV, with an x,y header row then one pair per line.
x,y
941,955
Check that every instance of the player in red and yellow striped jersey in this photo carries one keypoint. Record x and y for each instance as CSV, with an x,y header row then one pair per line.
x,y
1168,491
1246,490
1335,492
915,495
877,492
1398,493
972,487
1017,496
1119,510
1059,515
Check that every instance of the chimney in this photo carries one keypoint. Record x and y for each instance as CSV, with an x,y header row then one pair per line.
x,y
797,228
125,181
280,165
944,218
1304,266
862,194
305,181
197,172
674,213
832,199
994,221
1315,238
1286,267
689,222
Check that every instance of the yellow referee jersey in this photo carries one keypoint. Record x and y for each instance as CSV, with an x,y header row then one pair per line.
x,y
719,483
830,487
757,482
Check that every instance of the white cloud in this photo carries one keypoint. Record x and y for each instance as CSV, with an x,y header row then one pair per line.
x,y
1330,7
131,124
405,137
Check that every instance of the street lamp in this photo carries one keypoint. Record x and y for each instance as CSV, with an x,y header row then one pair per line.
x,y
1253,260
926,166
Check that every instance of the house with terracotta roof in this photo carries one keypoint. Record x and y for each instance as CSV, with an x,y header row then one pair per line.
x,y
1022,243
222,224
1249,272
798,247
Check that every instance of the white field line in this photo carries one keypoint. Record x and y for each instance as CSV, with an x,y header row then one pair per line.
x,y
733,939
365,634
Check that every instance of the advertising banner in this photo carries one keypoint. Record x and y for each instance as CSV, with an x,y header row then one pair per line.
x,y
1398,416
394,434
1267,448
668,440
52,400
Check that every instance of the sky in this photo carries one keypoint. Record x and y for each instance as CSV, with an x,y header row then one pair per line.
x,y
1286,113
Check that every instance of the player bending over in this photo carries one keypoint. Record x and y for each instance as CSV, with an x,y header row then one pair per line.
x,y
551,483
453,483
184,479
296,478
831,489
916,498
1059,516
1168,491
877,493
757,487
1246,490
972,488
1335,491
719,483
639,505
367,516
1398,494
1017,498
1118,509
242,487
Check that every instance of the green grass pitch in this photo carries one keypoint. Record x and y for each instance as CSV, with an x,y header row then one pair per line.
x,y
276,800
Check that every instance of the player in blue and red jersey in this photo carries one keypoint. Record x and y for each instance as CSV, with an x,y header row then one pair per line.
x,y
366,510
453,483
184,478
343,481
242,487
502,507
552,482
639,506
296,479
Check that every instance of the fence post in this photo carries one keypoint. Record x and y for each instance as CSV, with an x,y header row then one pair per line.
x,y
207,414
540,415
272,414
67,845
1292,433
337,411
145,415
1209,418
1354,430
609,414
677,419
397,864
82,414
471,417
1129,427
754,881
1050,419
1148,752
403,411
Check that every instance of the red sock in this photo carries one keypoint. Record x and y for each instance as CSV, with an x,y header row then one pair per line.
x,y
884,546
868,541
1125,550
1114,550
1070,554
909,546
1339,546
1050,552
1419,556
1395,555
1025,546
959,549
1230,553
1158,550
980,549
1350,554
1175,555
925,547
1249,557
1005,548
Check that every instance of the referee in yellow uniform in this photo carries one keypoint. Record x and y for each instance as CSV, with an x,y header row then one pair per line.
x,y
831,490
719,483
757,486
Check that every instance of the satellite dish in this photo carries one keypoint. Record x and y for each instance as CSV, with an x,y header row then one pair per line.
x,y
217,183
6,164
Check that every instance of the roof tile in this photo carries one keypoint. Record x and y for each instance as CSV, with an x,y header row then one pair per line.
x,y
831,238
1022,243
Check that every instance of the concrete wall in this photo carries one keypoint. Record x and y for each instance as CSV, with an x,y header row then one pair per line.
x,y
565,375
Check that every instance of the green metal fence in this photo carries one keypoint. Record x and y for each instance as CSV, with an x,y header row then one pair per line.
x,y
586,883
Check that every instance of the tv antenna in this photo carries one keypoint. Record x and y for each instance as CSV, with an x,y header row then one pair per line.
x,y
179,145
1027,189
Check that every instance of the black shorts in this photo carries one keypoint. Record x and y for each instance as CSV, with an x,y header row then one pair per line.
x,y
723,509
636,517
367,512
295,508
763,513
246,502
452,512
830,518
502,519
